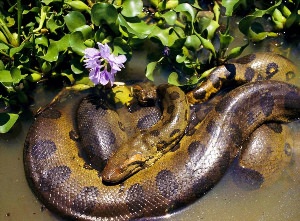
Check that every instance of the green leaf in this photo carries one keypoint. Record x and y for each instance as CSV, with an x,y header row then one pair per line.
x,y
174,79
235,52
16,75
104,13
132,8
245,24
52,52
15,50
230,5
77,43
192,42
5,76
86,31
170,17
74,20
140,29
7,120
185,7
150,69
78,6
166,36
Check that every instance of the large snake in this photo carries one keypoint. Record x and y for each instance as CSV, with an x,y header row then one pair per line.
x,y
169,178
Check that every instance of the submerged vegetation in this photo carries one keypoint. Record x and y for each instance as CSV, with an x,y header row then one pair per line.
x,y
45,41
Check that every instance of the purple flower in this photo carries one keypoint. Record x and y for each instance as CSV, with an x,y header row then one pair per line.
x,y
103,65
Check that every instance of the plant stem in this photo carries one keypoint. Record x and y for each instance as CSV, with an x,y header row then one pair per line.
x,y
19,6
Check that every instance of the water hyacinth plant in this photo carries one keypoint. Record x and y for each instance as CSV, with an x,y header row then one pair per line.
x,y
103,65
67,41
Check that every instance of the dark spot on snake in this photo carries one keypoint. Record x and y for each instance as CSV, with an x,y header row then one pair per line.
x,y
247,178
231,71
211,126
215,80
170,109
223,104
155,133
287,149
145,122
174,95
250,118
235,133
134,107
51,113
224,162
73,135
272,69
246,59
199,93
277,128
291,101
190,131
43,149
166,183
161,145
53,178
86,200
267,103
174,132
290,75
196,150
121,126
134,200
249,74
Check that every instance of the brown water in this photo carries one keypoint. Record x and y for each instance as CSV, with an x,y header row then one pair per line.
x,y
226,201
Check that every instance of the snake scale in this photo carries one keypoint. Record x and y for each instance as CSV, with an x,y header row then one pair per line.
x,y
169,178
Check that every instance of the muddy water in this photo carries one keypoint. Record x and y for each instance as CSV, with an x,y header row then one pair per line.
x,y
226,201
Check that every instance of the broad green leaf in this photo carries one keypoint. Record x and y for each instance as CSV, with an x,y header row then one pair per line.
x,y
52,52
42,40
132,8
63,43
185,7
16,75
15,50
5,76
74,20
174,79
78,6
230,5
104,12
76,43
150,69
246,23
193,42
166,36
86,31
7,120
3,46
225,40
140,29
2,66
235,52
170,17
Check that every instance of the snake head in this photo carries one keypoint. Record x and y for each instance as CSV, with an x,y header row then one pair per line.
x,y
124,163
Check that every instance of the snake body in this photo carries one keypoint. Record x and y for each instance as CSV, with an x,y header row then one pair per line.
x,y
60,177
